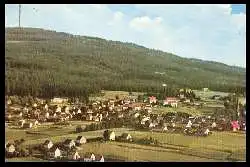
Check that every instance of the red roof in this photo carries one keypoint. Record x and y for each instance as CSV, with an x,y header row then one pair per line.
x,y
235,124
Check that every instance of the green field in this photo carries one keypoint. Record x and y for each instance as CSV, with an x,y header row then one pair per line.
x,y
220,146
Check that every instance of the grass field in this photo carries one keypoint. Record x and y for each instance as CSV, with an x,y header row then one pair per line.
x,y
221,146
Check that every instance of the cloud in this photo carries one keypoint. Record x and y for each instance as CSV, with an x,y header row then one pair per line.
x,y
206,31
144,22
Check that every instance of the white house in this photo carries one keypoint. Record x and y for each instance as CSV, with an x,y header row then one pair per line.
x,y
10,148
69,143
59,100
58,109
54,152
111,135
89,157
81,140
47,144
74,155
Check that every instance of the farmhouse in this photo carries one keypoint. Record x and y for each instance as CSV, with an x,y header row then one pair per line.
x,y
54,152
111,135
89,157
27,125
126,137
152,99
69,143
10,148
235,125
81,140
89,117
99,158
73,155
58,109
205,89
172,101
47,144
59,100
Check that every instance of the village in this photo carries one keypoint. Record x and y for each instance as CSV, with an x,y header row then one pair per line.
x,y
127,112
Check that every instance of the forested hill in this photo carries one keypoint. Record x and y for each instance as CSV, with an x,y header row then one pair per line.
x,y
48,62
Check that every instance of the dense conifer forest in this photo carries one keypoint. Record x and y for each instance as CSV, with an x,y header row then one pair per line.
x,y
47,63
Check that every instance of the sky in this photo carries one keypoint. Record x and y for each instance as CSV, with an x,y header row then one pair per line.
x,y
215,32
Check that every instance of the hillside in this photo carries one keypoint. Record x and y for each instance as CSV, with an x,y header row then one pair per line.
x,y
41,61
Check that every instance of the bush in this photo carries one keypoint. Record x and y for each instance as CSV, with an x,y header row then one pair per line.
x,y
147,141
79,129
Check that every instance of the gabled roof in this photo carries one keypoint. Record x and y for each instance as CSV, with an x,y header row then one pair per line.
x,y
125,134
98,157
79,137
67,141
88,154
47,142
53,148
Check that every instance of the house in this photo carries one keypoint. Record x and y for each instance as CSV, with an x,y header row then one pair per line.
x,y
111,135
151,125
47,115
10,148
182,96
27,125
58,109
172,101
235,125
9,102
46,107
68,143
137,108
89,157
59,100
54,152
99,158
205,89
126,137
25,110
36,123
165,128
152,99
126,101
47,144
89,117
35,105
66,110
81,140
73,155
143,121
79,111
21,122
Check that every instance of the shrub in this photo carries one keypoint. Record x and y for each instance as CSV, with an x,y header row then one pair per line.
x,y
79,129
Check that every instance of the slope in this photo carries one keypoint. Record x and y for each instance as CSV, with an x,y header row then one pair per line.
x,y
56,62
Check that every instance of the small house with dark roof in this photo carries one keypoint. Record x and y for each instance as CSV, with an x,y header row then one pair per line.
x,y
126,137
73,155
80,140
10,148
89,157
69,143
27,125
54,152
47,144
99,158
